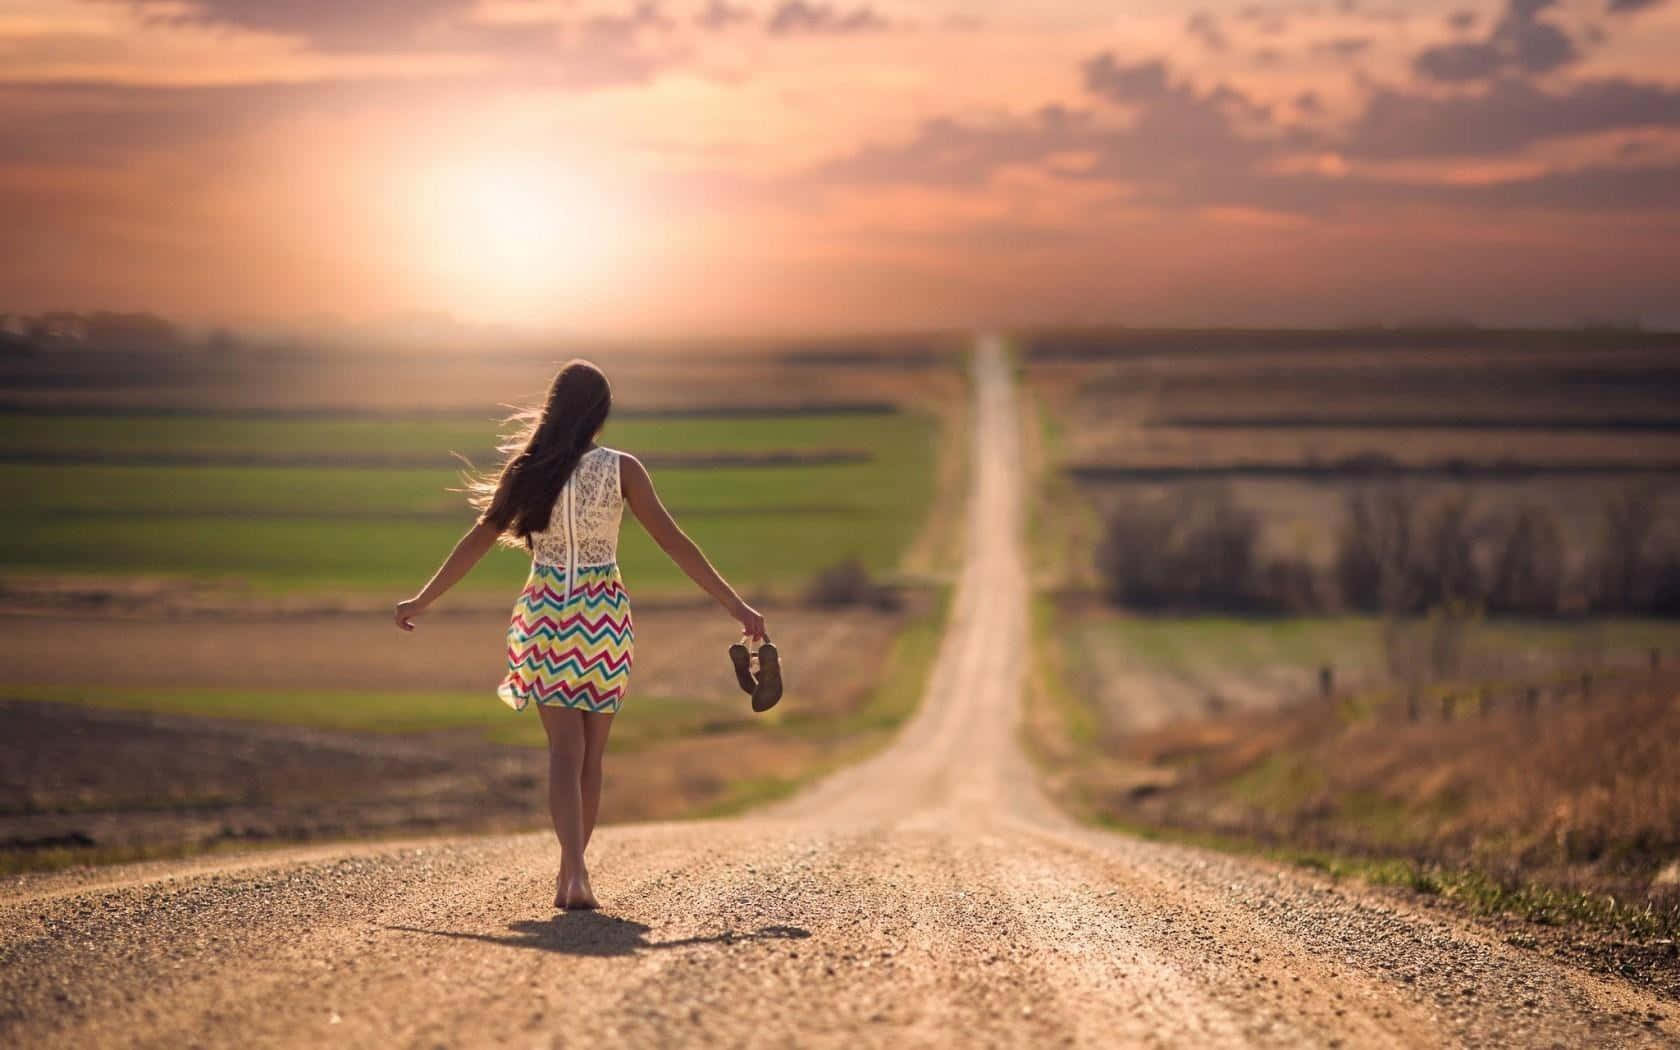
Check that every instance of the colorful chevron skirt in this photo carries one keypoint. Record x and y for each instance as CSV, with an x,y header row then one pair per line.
x,y
569,646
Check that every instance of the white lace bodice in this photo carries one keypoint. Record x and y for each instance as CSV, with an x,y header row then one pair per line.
x,y
583,530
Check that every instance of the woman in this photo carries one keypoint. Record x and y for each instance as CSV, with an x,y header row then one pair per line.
x,y
570,643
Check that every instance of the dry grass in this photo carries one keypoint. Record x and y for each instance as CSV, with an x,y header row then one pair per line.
x,y
1557,826
1583,795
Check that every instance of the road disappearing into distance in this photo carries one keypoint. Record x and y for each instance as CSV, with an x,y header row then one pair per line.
x,y
930,896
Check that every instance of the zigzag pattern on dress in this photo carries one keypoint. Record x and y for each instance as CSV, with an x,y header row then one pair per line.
x,y
578,625
565,694
571,651
541,594
538,658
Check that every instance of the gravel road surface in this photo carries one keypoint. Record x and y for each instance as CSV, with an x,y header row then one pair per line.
x,y
928,897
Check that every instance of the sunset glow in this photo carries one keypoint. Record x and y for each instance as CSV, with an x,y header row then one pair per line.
x,y
508,238
705,165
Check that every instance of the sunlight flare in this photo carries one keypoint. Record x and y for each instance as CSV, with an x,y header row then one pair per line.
x,y
509,235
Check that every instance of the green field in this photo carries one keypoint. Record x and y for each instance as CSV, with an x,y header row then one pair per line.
x,y
658,717
331,528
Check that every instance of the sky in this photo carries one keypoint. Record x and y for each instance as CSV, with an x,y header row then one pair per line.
x,y
715,166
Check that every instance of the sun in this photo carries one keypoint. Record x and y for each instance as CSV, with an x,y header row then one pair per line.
x,y
511,237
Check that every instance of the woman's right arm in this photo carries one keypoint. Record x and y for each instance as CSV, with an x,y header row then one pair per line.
x,y
468,550
645,504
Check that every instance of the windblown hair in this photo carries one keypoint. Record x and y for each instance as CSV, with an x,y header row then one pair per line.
x,y
542,451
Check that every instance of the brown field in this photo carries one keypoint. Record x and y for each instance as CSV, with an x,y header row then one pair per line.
x,y
106,782
679,650
455,380
1290,421
1133,407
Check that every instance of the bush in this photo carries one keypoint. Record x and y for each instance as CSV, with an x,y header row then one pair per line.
x,y
1528,569
1290,585
1401,556
1397,554
1627,569
1443,570
1374,549
849,583
1192,553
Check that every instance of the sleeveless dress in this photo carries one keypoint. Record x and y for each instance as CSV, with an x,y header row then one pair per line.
x,y
571,640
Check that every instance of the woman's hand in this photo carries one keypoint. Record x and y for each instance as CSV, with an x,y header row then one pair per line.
x,y
752,624
406,612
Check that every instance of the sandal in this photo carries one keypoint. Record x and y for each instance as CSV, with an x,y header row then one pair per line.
x,y
741,657
769,678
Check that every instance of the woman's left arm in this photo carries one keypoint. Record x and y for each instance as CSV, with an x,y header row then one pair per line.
x,y
468,550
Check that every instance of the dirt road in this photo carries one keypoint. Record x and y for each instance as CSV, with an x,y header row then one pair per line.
x,y
928,897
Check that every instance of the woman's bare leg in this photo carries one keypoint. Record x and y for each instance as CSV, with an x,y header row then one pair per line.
x,y
566,747
595,730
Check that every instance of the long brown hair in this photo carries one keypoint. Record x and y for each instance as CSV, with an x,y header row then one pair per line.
x,y
542,452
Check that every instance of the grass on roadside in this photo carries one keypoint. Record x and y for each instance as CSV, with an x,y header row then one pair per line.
x,y
1473,889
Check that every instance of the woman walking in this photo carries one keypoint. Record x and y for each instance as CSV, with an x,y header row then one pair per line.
x,y
570,643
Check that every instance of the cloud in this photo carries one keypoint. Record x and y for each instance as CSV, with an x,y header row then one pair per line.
x,y
1344,47
1170,173
623,29
1595,188
1205,28
1508,116
949,152
1178,135
799,16
1272,21
1190,147
99,125
1139,82
1519,43
719,15
328,24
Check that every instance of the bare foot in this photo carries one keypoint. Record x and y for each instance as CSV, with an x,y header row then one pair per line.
x,y
559,890
577,895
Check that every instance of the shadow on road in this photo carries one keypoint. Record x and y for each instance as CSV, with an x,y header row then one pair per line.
x,y
595,933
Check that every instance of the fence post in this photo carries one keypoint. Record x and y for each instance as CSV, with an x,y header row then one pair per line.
x,y
1326,681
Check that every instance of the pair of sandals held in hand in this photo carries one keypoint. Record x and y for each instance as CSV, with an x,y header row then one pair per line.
x,y
758,672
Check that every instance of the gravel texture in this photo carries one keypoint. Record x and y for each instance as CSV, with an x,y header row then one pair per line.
x,y
930,896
